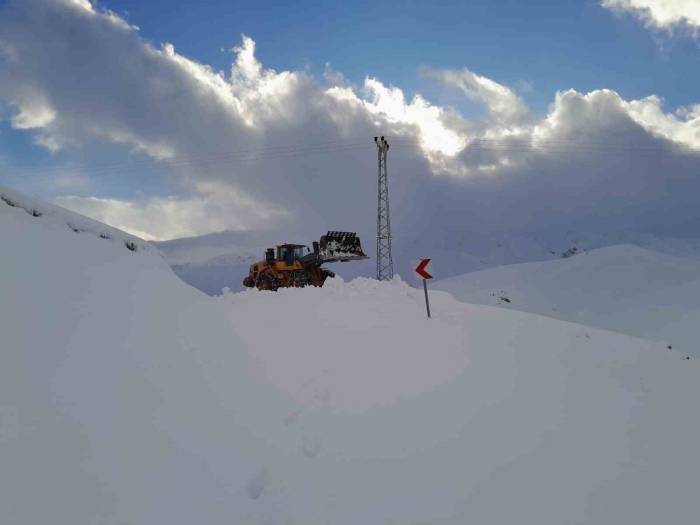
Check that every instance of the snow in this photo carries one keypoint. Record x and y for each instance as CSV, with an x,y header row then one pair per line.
x,y
195,250
216,261
623,288
55,217
129,397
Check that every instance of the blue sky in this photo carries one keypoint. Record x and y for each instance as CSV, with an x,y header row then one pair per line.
x,y
497,110
543,45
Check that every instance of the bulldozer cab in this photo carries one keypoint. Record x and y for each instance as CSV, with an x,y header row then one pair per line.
x,y
288,253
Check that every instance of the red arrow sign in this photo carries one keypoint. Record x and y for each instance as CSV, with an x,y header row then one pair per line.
x,y
420,269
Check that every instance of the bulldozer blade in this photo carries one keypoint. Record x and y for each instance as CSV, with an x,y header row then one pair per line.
x,y
340,246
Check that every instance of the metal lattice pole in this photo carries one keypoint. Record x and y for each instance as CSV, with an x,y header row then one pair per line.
x,y
385,265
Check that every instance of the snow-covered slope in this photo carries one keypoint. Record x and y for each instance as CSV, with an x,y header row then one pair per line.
x,y
204,248
221,260
127,396
57,218
218,260
624,288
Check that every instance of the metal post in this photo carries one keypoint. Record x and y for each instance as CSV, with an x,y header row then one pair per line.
x,y
385,265
425,289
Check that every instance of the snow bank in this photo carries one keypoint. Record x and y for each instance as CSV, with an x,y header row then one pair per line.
x,y
623,288
128,397
55,217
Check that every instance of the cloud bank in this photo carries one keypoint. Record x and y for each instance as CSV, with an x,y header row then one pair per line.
x,y
258,148
660,14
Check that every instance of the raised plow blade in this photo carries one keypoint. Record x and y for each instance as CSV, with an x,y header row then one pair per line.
x,y
340,247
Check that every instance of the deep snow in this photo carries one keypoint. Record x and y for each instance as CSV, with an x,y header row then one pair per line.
x,y
623,288
129,397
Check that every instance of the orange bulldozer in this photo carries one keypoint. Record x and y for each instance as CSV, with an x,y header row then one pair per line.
x,y
294,265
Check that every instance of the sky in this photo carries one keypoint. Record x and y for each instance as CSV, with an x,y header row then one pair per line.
x,y
174,118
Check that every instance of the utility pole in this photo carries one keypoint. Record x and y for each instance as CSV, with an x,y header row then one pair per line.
x,y
385,265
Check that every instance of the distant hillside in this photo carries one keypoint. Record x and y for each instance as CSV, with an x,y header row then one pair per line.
x,y
221,260
622,288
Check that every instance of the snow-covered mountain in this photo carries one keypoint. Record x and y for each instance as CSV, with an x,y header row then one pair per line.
x,y
127,396
623,288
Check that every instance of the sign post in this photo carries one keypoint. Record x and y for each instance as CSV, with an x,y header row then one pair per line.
x,y
427,304
421,270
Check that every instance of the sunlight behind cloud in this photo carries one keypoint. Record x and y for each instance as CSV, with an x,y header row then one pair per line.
x,y
433,134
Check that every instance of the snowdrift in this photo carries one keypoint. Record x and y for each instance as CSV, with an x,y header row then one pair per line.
x,y
127,396
623,288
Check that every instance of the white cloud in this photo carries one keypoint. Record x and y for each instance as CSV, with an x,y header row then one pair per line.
x,y
503,105
661,14
33,113
312,139
72,181
418,119
82,4
681,127
216,208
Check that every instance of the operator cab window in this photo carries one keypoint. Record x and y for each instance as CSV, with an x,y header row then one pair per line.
x,y
289,254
